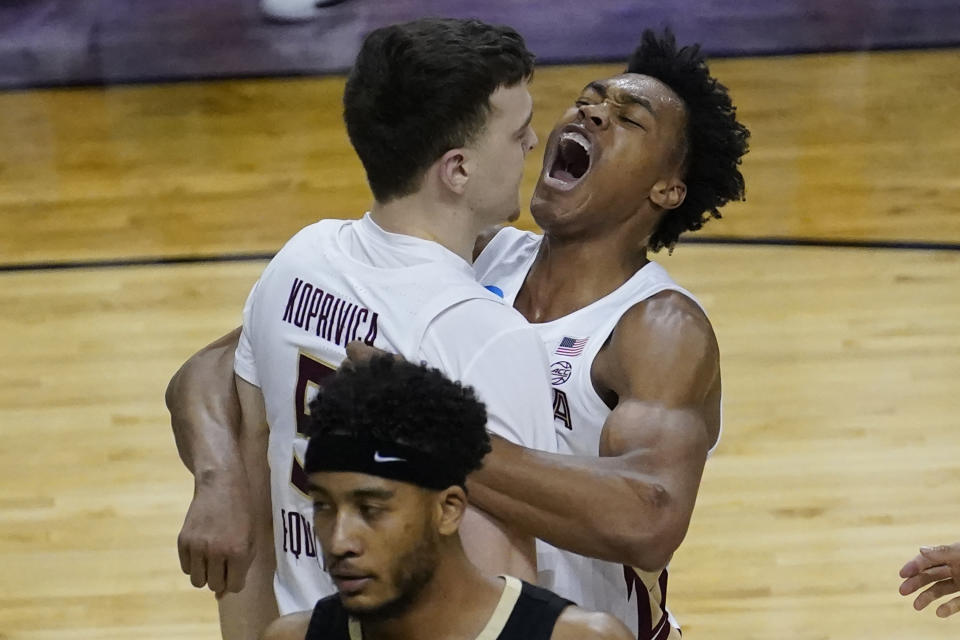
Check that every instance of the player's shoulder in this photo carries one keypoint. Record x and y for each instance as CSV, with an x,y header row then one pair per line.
x,y
308,236
302,248
577,624
670,316
476,325
289,627
503,238
664,342
487,315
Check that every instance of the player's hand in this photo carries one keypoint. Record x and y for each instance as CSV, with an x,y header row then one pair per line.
x,y
359,352
216,543
937,565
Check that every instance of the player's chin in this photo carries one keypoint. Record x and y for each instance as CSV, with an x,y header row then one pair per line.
x,y
360,603
370,606
547,211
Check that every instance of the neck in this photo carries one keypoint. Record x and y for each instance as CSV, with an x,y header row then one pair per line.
x,y
456,586
424,217
570,273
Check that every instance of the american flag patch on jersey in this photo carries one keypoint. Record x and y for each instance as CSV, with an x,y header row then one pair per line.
x,y
571,346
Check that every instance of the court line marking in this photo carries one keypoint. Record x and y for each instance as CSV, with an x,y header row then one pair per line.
x,y
146,261
762,241
838,243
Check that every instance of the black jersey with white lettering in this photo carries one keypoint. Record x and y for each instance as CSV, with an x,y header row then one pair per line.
x,y
524,612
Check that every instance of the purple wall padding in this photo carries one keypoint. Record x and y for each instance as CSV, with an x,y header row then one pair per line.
x,y
51,42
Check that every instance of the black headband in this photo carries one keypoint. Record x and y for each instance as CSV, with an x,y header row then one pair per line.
x,y
384,459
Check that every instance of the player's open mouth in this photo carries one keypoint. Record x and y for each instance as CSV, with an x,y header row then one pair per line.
x,y
571,159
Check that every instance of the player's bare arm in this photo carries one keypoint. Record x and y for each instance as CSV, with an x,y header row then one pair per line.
x,y
498,549
215,543
633,504
576,624
245,615
193,414
289,627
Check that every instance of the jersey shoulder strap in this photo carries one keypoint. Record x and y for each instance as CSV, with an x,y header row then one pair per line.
x,y
329,621
534,615
506,253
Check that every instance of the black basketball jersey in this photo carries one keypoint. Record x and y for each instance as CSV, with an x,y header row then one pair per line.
x,y
524,612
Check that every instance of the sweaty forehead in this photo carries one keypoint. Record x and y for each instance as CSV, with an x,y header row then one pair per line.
x,y
661,97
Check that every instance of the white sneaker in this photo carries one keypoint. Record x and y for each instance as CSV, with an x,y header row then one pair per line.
x,y
290,10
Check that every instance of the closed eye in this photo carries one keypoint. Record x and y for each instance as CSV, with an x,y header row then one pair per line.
x,y
371,512
633,122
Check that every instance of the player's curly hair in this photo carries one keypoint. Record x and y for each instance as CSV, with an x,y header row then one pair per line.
x,y
715,141
414,405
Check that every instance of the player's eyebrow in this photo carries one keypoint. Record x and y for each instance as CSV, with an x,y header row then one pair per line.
x,y
376,494
623,96
367,492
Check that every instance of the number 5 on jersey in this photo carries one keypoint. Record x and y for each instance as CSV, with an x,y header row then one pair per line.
x,y
311,374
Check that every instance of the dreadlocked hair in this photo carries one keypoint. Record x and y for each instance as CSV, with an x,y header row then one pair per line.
x,y
715,141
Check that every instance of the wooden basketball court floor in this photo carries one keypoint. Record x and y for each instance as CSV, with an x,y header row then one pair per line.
x,y
133,221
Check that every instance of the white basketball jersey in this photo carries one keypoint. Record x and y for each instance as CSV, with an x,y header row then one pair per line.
x,y
572,342
313,298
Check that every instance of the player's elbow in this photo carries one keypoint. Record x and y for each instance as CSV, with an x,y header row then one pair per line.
x,y
646,551
653,554
171,395
651,534
180,380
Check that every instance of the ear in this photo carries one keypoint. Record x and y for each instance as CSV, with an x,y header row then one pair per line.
x,y
668,194
453,168
451,505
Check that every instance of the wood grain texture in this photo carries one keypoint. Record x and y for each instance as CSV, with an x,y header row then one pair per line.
x,y
838,458
839,455
853,146
92,493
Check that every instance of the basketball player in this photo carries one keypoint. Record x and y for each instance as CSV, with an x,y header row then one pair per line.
x,y
391,444
439,113
636,161
938,565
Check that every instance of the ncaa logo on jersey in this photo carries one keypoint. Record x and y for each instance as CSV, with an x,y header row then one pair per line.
x,y
560,372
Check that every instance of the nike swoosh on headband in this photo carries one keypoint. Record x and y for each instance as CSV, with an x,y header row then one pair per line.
x,y
379,458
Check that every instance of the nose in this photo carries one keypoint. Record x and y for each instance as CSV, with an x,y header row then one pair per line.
x,y
534,141
343,539
594,115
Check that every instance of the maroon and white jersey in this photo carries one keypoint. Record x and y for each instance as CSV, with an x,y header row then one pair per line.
x,y
343,280
572,342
